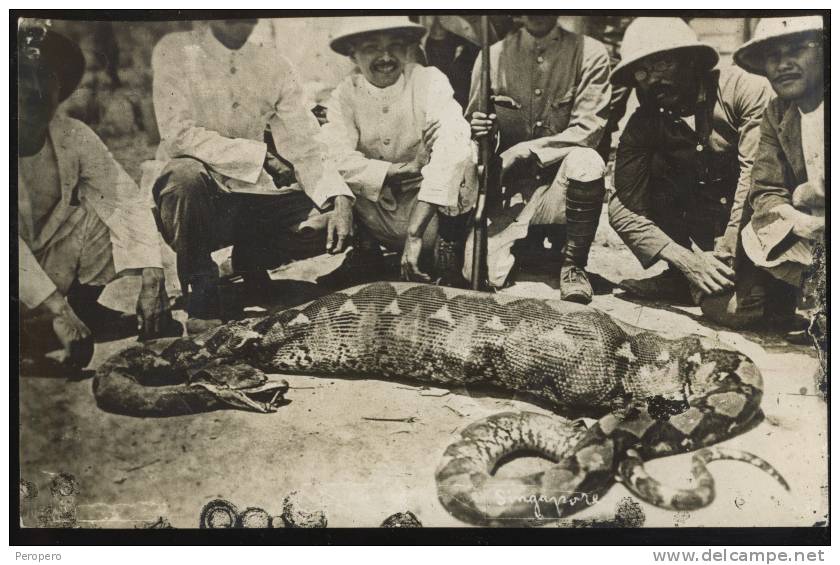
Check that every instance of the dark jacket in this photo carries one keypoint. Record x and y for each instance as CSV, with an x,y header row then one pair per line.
x,y
659,196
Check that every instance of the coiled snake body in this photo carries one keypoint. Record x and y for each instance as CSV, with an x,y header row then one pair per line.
x,y
653,396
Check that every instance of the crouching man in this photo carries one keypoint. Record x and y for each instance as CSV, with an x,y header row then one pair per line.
x,y
81,219
403,147
221,181
683,166
787,200
556,84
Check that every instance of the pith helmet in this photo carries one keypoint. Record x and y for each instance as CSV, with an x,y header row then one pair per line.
x,y
750,55
650,36
362,25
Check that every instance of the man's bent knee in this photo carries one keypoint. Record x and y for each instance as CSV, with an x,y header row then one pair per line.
x,y
584,165
183,178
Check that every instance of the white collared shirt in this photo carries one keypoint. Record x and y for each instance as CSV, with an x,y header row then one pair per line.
x,y
213,103
370,128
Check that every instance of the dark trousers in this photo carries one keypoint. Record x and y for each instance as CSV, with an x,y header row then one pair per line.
x,y
197,217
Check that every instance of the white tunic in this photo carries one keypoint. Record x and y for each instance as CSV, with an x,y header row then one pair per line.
x,y
370,128
213,104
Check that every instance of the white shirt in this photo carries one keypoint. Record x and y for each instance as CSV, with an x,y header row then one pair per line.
x,y
370,128
813,149
213,104
85,165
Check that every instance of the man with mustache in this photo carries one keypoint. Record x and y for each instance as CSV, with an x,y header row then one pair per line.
x,y
82,221
553,101
403,147
787,199
219,180
684,164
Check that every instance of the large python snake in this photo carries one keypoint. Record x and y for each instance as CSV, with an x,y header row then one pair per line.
x,y
653,396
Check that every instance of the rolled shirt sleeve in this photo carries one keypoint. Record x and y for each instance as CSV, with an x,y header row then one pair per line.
x,y
240,159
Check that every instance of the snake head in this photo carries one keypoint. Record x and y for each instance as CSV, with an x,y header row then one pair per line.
x,y
241,386
234,339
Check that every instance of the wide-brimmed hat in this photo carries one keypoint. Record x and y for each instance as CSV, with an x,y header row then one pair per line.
x,y
750,55
650,36
46,49
356,27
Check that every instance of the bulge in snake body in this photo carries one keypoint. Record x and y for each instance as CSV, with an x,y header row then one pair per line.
x,y
562,353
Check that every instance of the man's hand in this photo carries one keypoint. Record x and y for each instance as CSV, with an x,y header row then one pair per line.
x,y
430,136
153,315
807,196
482,124
340,224
514,155
725,246
399,173
702,269
74,336
280,173
805,225
809,227
273,165
410,261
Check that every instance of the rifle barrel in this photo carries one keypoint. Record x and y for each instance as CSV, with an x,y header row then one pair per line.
x,y
485,104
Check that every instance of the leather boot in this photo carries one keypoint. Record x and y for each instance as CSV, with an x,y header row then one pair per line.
x,y
583,211
670,285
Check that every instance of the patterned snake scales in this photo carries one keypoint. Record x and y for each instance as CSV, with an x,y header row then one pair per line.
x,y
654,396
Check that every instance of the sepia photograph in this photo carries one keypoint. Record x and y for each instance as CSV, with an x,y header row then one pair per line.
x,y
371,270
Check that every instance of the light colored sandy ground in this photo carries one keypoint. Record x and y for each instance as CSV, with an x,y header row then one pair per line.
x,y
360,471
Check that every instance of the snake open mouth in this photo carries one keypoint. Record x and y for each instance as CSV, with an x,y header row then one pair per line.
x,y
242,386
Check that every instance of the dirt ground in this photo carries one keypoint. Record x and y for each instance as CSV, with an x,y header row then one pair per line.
x,y
359,471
